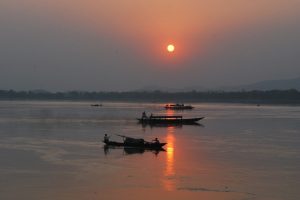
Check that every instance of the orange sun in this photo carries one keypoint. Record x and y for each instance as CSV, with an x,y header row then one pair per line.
x,y
170,48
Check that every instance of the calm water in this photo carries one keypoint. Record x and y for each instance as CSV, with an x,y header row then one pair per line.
x,y
53,150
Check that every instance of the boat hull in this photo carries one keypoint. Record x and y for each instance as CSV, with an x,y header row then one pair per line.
x,y
179,107
169,121
146,145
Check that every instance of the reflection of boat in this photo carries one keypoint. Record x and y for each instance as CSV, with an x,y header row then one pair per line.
x,y
161,125
168,120
168,125
129,142
178,107
132,150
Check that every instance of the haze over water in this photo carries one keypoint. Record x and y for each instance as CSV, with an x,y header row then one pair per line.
x,y
53,150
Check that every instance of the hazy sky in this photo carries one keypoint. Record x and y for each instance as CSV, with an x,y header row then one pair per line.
x,y
63,45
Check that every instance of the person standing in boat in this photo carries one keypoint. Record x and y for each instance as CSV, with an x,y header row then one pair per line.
x,y
144,116
156,141
106,138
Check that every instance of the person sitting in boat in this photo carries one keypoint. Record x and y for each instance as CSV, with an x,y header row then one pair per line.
x,y
156,141
151,115
106,138
144,116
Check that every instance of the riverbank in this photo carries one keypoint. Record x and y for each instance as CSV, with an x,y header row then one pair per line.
x,y
290,97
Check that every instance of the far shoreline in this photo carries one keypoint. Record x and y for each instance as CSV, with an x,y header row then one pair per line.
x,y
273,97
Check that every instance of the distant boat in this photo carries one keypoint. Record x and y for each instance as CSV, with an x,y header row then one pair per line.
x,y
96,105
168,120
178,107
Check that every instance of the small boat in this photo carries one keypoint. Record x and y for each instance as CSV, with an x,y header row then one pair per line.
x,y
168,120
96,105
135,143
178,107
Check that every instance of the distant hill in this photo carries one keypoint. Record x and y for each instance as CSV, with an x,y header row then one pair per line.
x,y
284,84
167,89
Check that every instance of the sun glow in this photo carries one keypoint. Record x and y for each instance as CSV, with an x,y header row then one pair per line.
x,y
169,183
170,48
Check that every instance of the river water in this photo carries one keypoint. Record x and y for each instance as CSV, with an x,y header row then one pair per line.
x,y
53,150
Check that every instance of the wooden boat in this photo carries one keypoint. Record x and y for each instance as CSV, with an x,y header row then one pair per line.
x,y
135,143
168,120
178,107
96,105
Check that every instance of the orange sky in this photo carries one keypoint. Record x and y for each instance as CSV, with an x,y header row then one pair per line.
x,y
140,30
152,24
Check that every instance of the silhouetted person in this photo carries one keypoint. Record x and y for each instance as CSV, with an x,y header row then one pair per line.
x,y
144,116
106,138
156,141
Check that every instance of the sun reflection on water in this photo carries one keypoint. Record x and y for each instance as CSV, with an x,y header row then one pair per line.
x,y
170,113
169,172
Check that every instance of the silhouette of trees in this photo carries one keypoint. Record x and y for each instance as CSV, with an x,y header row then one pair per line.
x,y
291,96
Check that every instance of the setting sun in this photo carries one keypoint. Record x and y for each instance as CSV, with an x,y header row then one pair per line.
x,y
170,48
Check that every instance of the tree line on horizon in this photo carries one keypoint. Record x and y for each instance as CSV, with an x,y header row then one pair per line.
x,y
272,96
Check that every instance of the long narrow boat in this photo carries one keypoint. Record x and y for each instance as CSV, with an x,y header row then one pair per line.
x,y
178,107
168,120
